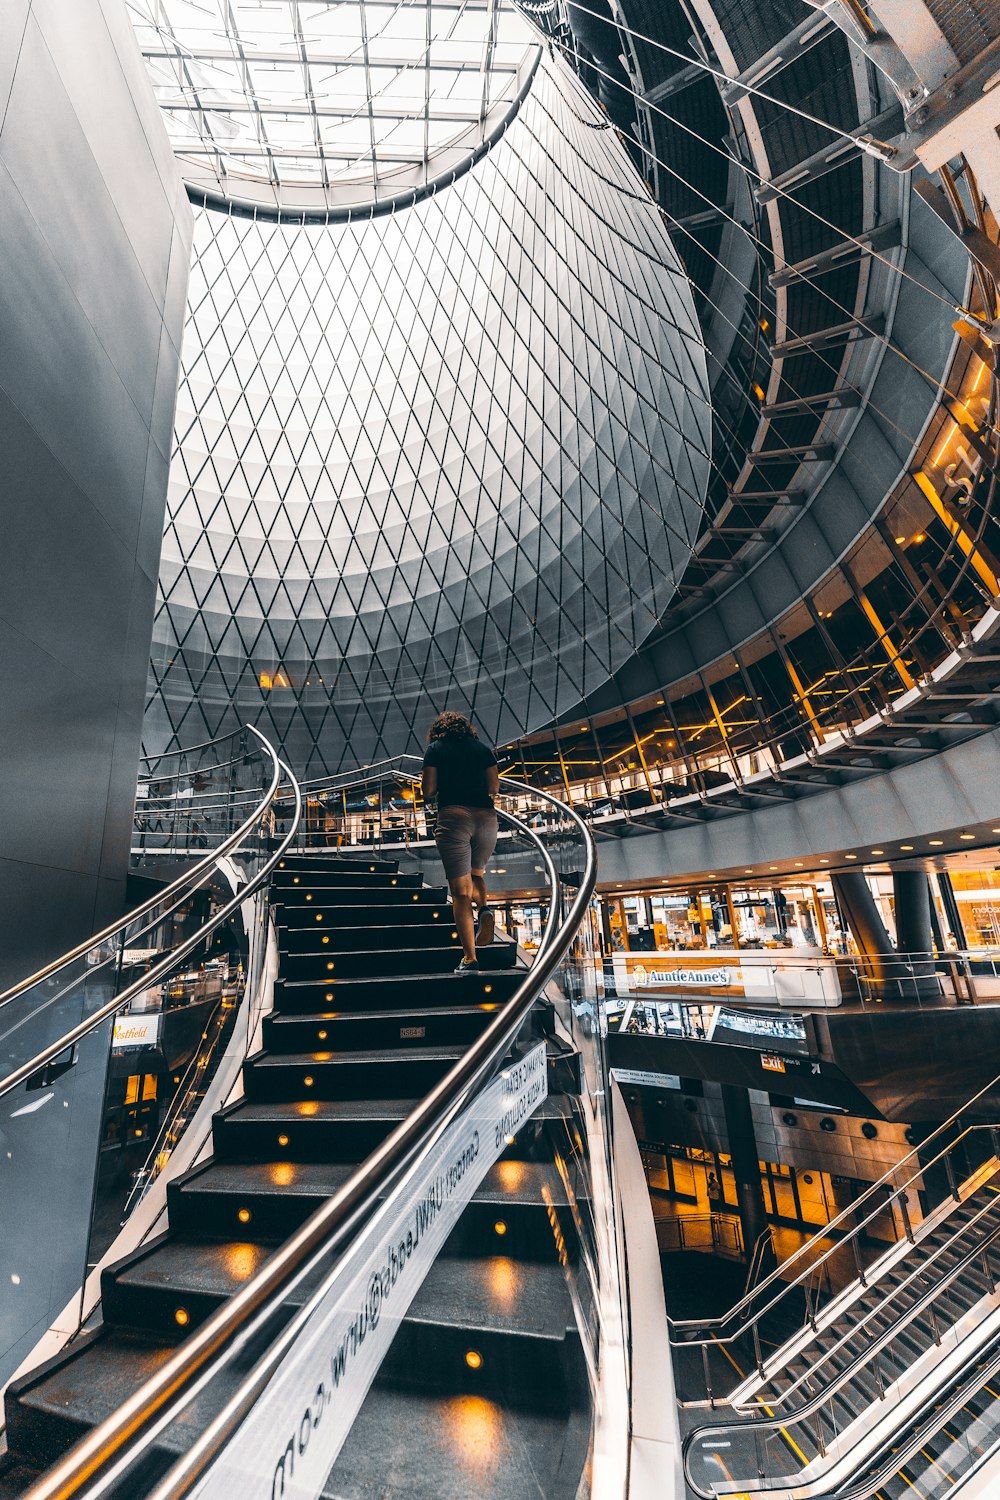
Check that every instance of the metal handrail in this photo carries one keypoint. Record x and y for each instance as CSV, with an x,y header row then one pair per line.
x,y
780,1272
751,1322
161,970
817,1402
906,1317
941,1413
109,1446
203,870
193,749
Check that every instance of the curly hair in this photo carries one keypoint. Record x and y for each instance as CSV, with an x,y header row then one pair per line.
x,y
451,723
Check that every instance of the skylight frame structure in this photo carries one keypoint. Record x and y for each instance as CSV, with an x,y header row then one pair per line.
x,y
303,105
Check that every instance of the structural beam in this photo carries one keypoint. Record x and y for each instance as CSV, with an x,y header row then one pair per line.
x,y
882,237
825,338
841,400
794,44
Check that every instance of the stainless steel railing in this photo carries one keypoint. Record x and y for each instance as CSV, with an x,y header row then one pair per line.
x,y
945,1147
183,886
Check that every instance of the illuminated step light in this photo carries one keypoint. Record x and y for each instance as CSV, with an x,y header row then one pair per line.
x,y
182,1317
309,896
473,1359
328,998
244,1216
295,880
282,1140
308,1080
322,1035
319,916
500,1227
326,939
330,965
487,989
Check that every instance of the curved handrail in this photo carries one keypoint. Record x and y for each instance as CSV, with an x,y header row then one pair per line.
x,y
167,965
110,1445
187,881
815,1403
193,749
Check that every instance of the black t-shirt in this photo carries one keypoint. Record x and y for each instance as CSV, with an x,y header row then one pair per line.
x,y
461,763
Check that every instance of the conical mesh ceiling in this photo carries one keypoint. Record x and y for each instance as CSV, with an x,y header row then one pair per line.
x,y
452,457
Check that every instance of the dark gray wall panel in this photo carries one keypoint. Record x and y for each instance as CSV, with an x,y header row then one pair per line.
x,y
95,234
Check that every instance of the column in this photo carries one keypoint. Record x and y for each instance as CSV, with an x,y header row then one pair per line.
x,y
862,915
746,1166
912,899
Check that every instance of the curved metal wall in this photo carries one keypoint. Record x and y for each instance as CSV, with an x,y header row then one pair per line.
x,y
456,456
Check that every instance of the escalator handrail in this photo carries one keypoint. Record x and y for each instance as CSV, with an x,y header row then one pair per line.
x,y
112,1444
785,1287
166,966
190,880
797,1414
940,1412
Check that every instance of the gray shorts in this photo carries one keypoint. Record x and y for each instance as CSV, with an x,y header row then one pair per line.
x,y
466,837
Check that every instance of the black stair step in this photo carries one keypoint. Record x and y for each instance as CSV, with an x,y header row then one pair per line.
x,y
519,1207
299,864
405,914
379,1073
330,963
48,1409
381,992
172,1284
384,897
517,1317
398,1028
317,935
341,1130
286,882
411,1445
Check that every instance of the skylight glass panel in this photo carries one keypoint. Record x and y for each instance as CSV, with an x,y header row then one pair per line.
x,y
312,94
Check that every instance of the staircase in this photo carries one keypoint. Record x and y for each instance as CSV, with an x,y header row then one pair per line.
x,y
484,1386
847,1390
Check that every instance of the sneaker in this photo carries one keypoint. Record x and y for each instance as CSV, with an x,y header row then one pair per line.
x,y
467,968
486,929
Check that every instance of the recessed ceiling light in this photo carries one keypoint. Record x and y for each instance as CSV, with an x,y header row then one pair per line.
x,y
850,856
906,846
824,861
878,851
936,842
966,835
772,867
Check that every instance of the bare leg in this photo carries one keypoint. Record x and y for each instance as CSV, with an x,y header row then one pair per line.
x,y
461,902
487,924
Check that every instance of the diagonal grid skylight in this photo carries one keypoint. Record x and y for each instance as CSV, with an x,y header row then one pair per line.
x,y
306,104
